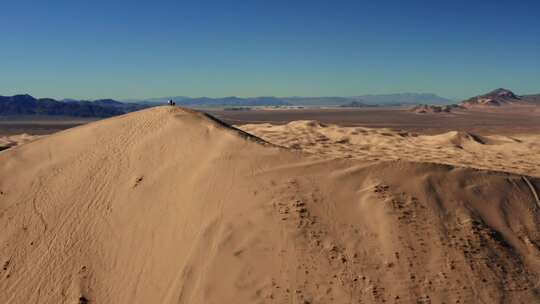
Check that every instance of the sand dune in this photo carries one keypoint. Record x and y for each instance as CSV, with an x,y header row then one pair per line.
x,y
517,154
171,206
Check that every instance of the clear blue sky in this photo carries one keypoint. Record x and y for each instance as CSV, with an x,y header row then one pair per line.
x,y
132,49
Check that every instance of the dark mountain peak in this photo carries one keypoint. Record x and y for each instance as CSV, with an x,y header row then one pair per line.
x,y
502,93
498,97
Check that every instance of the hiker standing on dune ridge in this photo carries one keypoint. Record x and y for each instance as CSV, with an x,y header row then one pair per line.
x,y
171,103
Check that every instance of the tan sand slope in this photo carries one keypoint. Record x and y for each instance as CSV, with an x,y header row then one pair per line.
x,y
518,154
170,206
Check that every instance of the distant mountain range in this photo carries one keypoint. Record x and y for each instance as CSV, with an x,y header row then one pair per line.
x,y
28,105
403,99
357,104
212,102
370,100
386,99
233,101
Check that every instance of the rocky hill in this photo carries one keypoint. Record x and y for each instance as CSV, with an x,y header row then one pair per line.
x,y
498,97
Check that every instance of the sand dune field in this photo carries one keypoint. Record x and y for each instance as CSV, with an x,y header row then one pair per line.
x,y
168,205
511,153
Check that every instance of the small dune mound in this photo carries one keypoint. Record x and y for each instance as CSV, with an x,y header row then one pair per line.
x,y
306,124
500,140
457,139
463,139
172,206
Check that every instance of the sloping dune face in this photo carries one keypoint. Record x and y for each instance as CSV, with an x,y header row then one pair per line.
x,y
170,206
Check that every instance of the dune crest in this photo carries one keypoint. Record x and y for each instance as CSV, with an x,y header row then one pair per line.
x,y
172,206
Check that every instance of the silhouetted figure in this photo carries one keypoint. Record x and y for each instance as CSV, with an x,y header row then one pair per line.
x,y
172,103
